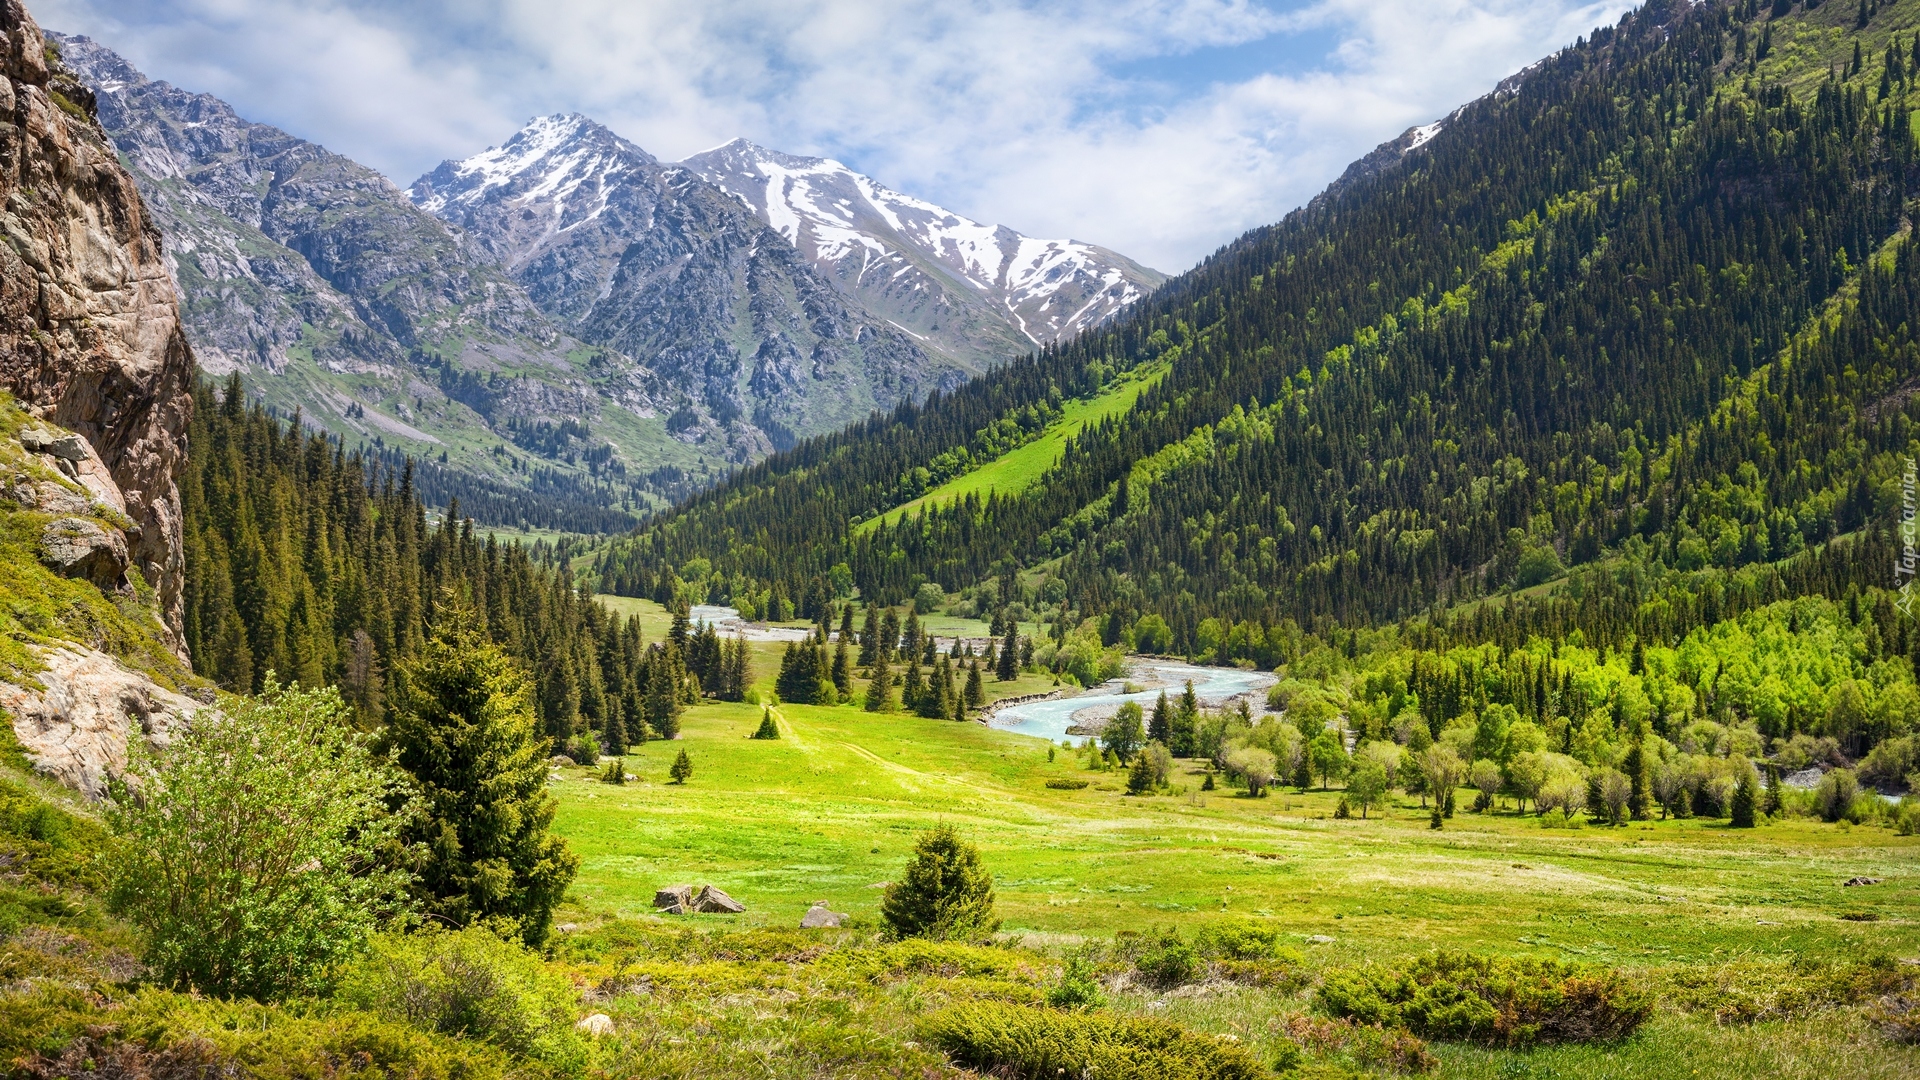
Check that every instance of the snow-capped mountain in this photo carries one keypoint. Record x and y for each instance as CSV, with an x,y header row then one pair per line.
x,y
653,261
979,293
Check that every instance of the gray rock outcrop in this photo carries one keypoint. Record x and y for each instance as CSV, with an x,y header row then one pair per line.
x,y
818,917
90,332
80,547
712,901
75,724
683,900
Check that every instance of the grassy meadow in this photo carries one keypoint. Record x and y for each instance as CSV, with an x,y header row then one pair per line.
x,y
831,809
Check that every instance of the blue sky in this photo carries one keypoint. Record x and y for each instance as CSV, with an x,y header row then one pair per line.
x,y
1159,128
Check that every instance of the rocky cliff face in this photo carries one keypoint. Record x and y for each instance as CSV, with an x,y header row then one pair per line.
x,y
91,439
90,334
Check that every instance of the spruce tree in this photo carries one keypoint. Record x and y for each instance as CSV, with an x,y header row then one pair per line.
x,y
1009,669
910,636
464,727
842,671
889,633
663,697
913,690
613,732
767,729
870,636
1743,798
682,770
1639,770
1160,725
880,686
945,893
1772,806
1140,779
1185,723
976,692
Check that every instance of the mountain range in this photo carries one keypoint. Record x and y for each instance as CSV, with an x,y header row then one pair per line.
x,y
563,328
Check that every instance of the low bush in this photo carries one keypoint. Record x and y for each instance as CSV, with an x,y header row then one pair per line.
x,y
165,1035
471,983
1835,795
1495,1000
1023,1043
1169,961
1370,1046
1063,784
1752,991
1898,1017
46,842
1243,939
1078,987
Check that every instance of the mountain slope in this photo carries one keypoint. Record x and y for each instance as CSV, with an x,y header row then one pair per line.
x,y
648,259
1616,313
335,295
979,294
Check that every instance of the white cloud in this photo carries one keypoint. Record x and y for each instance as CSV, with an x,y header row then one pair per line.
x,y
1034,115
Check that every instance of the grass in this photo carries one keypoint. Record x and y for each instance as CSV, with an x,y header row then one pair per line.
x,y
831,809
46,610
1018,469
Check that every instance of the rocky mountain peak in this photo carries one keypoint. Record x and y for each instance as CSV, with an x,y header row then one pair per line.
x,y
566,162
975,291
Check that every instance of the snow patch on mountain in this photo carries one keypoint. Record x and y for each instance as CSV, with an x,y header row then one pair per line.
x,y
550,161
1045,289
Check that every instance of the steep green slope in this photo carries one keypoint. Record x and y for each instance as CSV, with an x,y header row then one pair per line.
x,y
1604,312
1032,452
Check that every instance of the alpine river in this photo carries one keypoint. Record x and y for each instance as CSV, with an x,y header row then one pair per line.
x,y
1212,685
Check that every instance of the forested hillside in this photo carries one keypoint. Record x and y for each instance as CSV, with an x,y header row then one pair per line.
x,y
1643,312
321,566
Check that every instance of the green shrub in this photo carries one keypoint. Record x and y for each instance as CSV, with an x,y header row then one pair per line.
x,y
1752,991
1169,961
1024,1043
279,1043
49,843
1835,795
1063,784
1513,1002
472,984
1077,988
1243,939
1368,1046
257,852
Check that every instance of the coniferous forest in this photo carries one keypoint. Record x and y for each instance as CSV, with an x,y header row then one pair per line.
x,y
322,567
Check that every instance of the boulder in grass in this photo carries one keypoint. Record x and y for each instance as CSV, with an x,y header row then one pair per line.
x,y
819,918
713,901
674,899
597,1025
